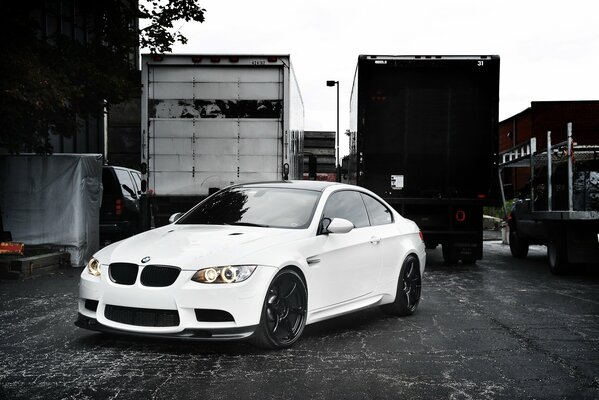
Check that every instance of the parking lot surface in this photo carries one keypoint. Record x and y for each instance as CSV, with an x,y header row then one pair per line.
x,y
503,328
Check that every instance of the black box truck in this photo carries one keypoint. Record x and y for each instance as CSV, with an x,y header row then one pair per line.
x,y
424,137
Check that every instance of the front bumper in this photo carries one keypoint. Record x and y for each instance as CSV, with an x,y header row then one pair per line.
x,y
178,303
186,334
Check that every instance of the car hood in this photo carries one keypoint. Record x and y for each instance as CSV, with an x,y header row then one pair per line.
x,y
196,246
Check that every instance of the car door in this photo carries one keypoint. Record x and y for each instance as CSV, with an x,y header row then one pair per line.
x,y
381,219
347,264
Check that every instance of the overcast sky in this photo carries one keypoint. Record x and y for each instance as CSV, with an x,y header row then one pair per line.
x,y
549,49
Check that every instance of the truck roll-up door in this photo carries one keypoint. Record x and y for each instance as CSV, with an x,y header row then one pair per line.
x,y
213,126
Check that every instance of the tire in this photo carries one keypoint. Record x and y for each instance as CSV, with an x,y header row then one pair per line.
x,y
449,254
409,286
557,253
430,245
284,312
468,260
518,246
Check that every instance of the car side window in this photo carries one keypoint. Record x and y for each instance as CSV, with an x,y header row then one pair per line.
x,y
137,180
347,204
377,212
125,179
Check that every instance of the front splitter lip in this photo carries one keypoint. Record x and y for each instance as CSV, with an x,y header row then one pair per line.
x,y
226,334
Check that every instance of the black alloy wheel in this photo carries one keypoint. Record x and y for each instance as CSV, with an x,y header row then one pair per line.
x,y
409,288
283,313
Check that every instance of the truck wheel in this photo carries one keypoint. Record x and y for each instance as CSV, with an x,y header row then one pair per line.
x,y
468,260
557,253
430,245
518,246
449,254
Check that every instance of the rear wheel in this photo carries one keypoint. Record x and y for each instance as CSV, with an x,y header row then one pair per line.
x,y
470,260
283,312
409,287
430,245
518,246
450,256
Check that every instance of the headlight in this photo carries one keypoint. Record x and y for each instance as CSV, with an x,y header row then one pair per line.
x,y
228,274
93,267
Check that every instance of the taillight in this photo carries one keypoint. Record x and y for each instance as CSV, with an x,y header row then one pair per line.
x,y
118,207
460,216
421,236
272,59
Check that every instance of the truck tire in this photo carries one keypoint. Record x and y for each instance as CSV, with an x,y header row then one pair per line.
x,y
557,253
430,245
471,260
518,246
450,256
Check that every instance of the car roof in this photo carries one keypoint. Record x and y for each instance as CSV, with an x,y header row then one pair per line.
x,y
309,185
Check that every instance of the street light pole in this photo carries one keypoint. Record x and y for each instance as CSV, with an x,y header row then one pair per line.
x,y
337,161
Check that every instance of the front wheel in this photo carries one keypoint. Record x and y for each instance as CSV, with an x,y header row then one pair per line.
x,y
557,253
283,312
409,287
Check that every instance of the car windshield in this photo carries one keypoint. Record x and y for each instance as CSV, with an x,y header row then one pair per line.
x,y
272,207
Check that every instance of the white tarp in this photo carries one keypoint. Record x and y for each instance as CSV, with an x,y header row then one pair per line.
x,y
53,201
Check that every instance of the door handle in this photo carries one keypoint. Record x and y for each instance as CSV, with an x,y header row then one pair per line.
x,y
375,240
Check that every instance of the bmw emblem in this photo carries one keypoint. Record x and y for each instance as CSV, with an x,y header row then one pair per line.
x,y
145,259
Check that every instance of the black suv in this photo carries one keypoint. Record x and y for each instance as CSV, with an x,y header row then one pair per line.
x,y
119,214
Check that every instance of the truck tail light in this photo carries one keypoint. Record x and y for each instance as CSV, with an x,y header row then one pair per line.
x,y
421,235
215,59
118,207
460,216
234,59
196,59
157,57
272,59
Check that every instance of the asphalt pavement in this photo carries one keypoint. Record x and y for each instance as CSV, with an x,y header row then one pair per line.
x,y
501,329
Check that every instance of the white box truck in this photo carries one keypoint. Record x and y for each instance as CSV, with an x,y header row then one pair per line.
x,y
210,121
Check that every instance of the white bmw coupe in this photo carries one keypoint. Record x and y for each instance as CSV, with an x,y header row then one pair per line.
x,y
257,261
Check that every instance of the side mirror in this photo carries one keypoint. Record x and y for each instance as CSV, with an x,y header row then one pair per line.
x,y
175,217
339,225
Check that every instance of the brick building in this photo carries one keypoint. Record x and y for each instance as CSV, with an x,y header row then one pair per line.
x,y
320,144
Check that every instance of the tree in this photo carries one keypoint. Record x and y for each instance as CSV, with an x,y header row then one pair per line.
x,y
50,80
